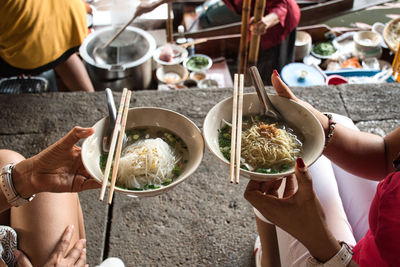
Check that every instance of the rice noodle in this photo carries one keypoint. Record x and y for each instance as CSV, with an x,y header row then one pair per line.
x,y
265,145
148,161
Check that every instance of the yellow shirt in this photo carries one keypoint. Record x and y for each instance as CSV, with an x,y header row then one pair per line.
x,y
36,32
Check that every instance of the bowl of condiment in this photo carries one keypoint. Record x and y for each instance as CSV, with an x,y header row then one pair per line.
x,y
300,135
198,75
208,83
367,41
164,148
171,74
170,54
197,62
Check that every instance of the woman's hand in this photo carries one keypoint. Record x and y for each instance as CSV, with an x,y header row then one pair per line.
x,y
298,212
60,257
260,27
58,168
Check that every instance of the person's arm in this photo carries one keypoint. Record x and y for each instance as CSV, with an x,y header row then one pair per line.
x,y
298,212
360,153
264,24
148,6
58,168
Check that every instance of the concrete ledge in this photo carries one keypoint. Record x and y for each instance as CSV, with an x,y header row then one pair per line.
x,y
202,222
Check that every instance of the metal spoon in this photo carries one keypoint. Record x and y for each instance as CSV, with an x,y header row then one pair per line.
x,y
269,108
112,116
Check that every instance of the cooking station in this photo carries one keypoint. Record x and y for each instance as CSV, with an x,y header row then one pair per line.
x,y
129,60
205,220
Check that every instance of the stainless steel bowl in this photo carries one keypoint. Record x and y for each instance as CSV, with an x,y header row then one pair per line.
x,y
128,58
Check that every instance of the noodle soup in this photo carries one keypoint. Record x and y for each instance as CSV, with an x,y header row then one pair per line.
x,y
153,158
267,146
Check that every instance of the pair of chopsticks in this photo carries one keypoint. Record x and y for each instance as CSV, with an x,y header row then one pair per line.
x,y
236,136
119,130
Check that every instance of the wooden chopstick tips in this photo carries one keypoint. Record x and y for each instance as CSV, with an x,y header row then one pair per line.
x,y
117,136
236,135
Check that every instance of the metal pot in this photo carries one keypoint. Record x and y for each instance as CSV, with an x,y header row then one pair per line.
x,y
125,62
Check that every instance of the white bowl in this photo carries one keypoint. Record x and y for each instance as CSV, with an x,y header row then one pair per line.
x,y
171,74
186,63
208,83
302,45
367,41
179,52
294,113
140,117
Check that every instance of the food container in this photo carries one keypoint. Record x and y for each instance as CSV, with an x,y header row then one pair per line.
x,y
302,45
198,75
198,62
126,62
368,44
171,74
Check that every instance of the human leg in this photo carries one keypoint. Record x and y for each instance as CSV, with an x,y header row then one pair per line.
x,y
40,223
74,75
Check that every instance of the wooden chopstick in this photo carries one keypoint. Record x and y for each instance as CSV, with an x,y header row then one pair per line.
x,y
234,123
112,145
119,146
239,127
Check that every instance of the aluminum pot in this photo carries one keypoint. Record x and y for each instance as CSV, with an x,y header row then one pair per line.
x,y
127,60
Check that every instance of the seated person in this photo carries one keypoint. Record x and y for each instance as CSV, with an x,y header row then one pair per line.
x,y
49,226
330,203
41,35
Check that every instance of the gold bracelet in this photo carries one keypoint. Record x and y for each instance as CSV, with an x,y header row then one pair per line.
x,y
331,129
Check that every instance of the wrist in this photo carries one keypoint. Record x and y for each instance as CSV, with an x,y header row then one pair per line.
x,y
22,176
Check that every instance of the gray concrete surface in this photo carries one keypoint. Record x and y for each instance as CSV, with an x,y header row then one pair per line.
x,y
202,222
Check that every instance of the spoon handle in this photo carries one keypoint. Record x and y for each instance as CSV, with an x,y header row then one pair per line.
x,y
111,106
262,94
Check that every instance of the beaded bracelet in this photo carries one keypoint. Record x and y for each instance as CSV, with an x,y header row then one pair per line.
x,y
331,129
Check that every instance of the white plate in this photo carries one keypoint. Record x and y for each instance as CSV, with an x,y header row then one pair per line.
x,y
180,52
198,55
331,56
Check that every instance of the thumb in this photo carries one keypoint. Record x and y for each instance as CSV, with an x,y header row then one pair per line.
x,y
76,134
21,259
280,87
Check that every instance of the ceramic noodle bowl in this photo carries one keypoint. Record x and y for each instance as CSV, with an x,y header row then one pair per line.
x,y
171,121
295,114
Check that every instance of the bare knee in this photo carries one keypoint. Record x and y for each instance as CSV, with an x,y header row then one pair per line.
x,y
9,156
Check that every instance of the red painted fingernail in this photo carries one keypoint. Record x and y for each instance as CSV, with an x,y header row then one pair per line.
x,y
276,73
300,163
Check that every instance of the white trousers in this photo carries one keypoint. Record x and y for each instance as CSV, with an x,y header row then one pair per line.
x,y
345,199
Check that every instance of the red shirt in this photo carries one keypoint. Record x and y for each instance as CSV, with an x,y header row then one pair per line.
x,y
380,247
288,13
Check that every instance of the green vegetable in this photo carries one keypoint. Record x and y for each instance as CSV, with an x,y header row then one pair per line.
x,y
103,160
167,182
197,62
177,171
269,171
324,49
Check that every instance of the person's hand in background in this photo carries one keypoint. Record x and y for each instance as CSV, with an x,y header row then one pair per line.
x,y
261,27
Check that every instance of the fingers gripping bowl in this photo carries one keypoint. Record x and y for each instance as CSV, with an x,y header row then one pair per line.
x,y
295,114
166,122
